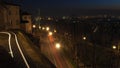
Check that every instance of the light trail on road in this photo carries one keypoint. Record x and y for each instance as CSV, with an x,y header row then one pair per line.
x,y
25,61
20,50
61,61
53,57
9,41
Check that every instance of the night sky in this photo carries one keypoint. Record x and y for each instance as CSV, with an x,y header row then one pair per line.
x,y
66,7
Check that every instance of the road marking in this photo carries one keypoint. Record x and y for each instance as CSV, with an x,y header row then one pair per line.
x,y
9,41
16,39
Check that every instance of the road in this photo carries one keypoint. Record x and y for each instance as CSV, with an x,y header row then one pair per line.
x,y
22,51
26,57
55,55
16,51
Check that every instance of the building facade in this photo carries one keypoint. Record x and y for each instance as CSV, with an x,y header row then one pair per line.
x,y
3,14
10,16
26,24
13,16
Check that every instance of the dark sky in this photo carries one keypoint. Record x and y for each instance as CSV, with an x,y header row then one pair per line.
x,y
66,7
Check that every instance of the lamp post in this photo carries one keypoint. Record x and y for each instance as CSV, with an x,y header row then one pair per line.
x,y
47,28
55,31
34,26
57,45
116,48
84,38
43,28
39,27
50,34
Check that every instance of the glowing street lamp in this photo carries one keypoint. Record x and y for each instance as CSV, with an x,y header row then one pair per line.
x,y
34,26
39,27
57,45
114,47
43,28
50,33
55,31
47,28
84,38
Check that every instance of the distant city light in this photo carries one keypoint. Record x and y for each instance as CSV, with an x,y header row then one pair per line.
x,y
49,18
34,26
55,31
84,38
114,47
43,28
40,18
39,27
57,45
63,17
47,28
50,33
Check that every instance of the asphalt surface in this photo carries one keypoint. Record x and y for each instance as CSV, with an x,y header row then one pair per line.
x,y
56,57
19,49
6,61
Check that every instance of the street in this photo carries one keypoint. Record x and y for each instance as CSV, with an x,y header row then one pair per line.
x,y
22,51
54,54
15,50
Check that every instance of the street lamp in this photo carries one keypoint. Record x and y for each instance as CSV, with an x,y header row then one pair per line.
x,y
50,33
57,46
39,27
47,28
34,26
55,31
43,28
114,47
84,38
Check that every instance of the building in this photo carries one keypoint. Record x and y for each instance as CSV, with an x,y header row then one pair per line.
x,y
10,16
26,22
3,15
13,16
